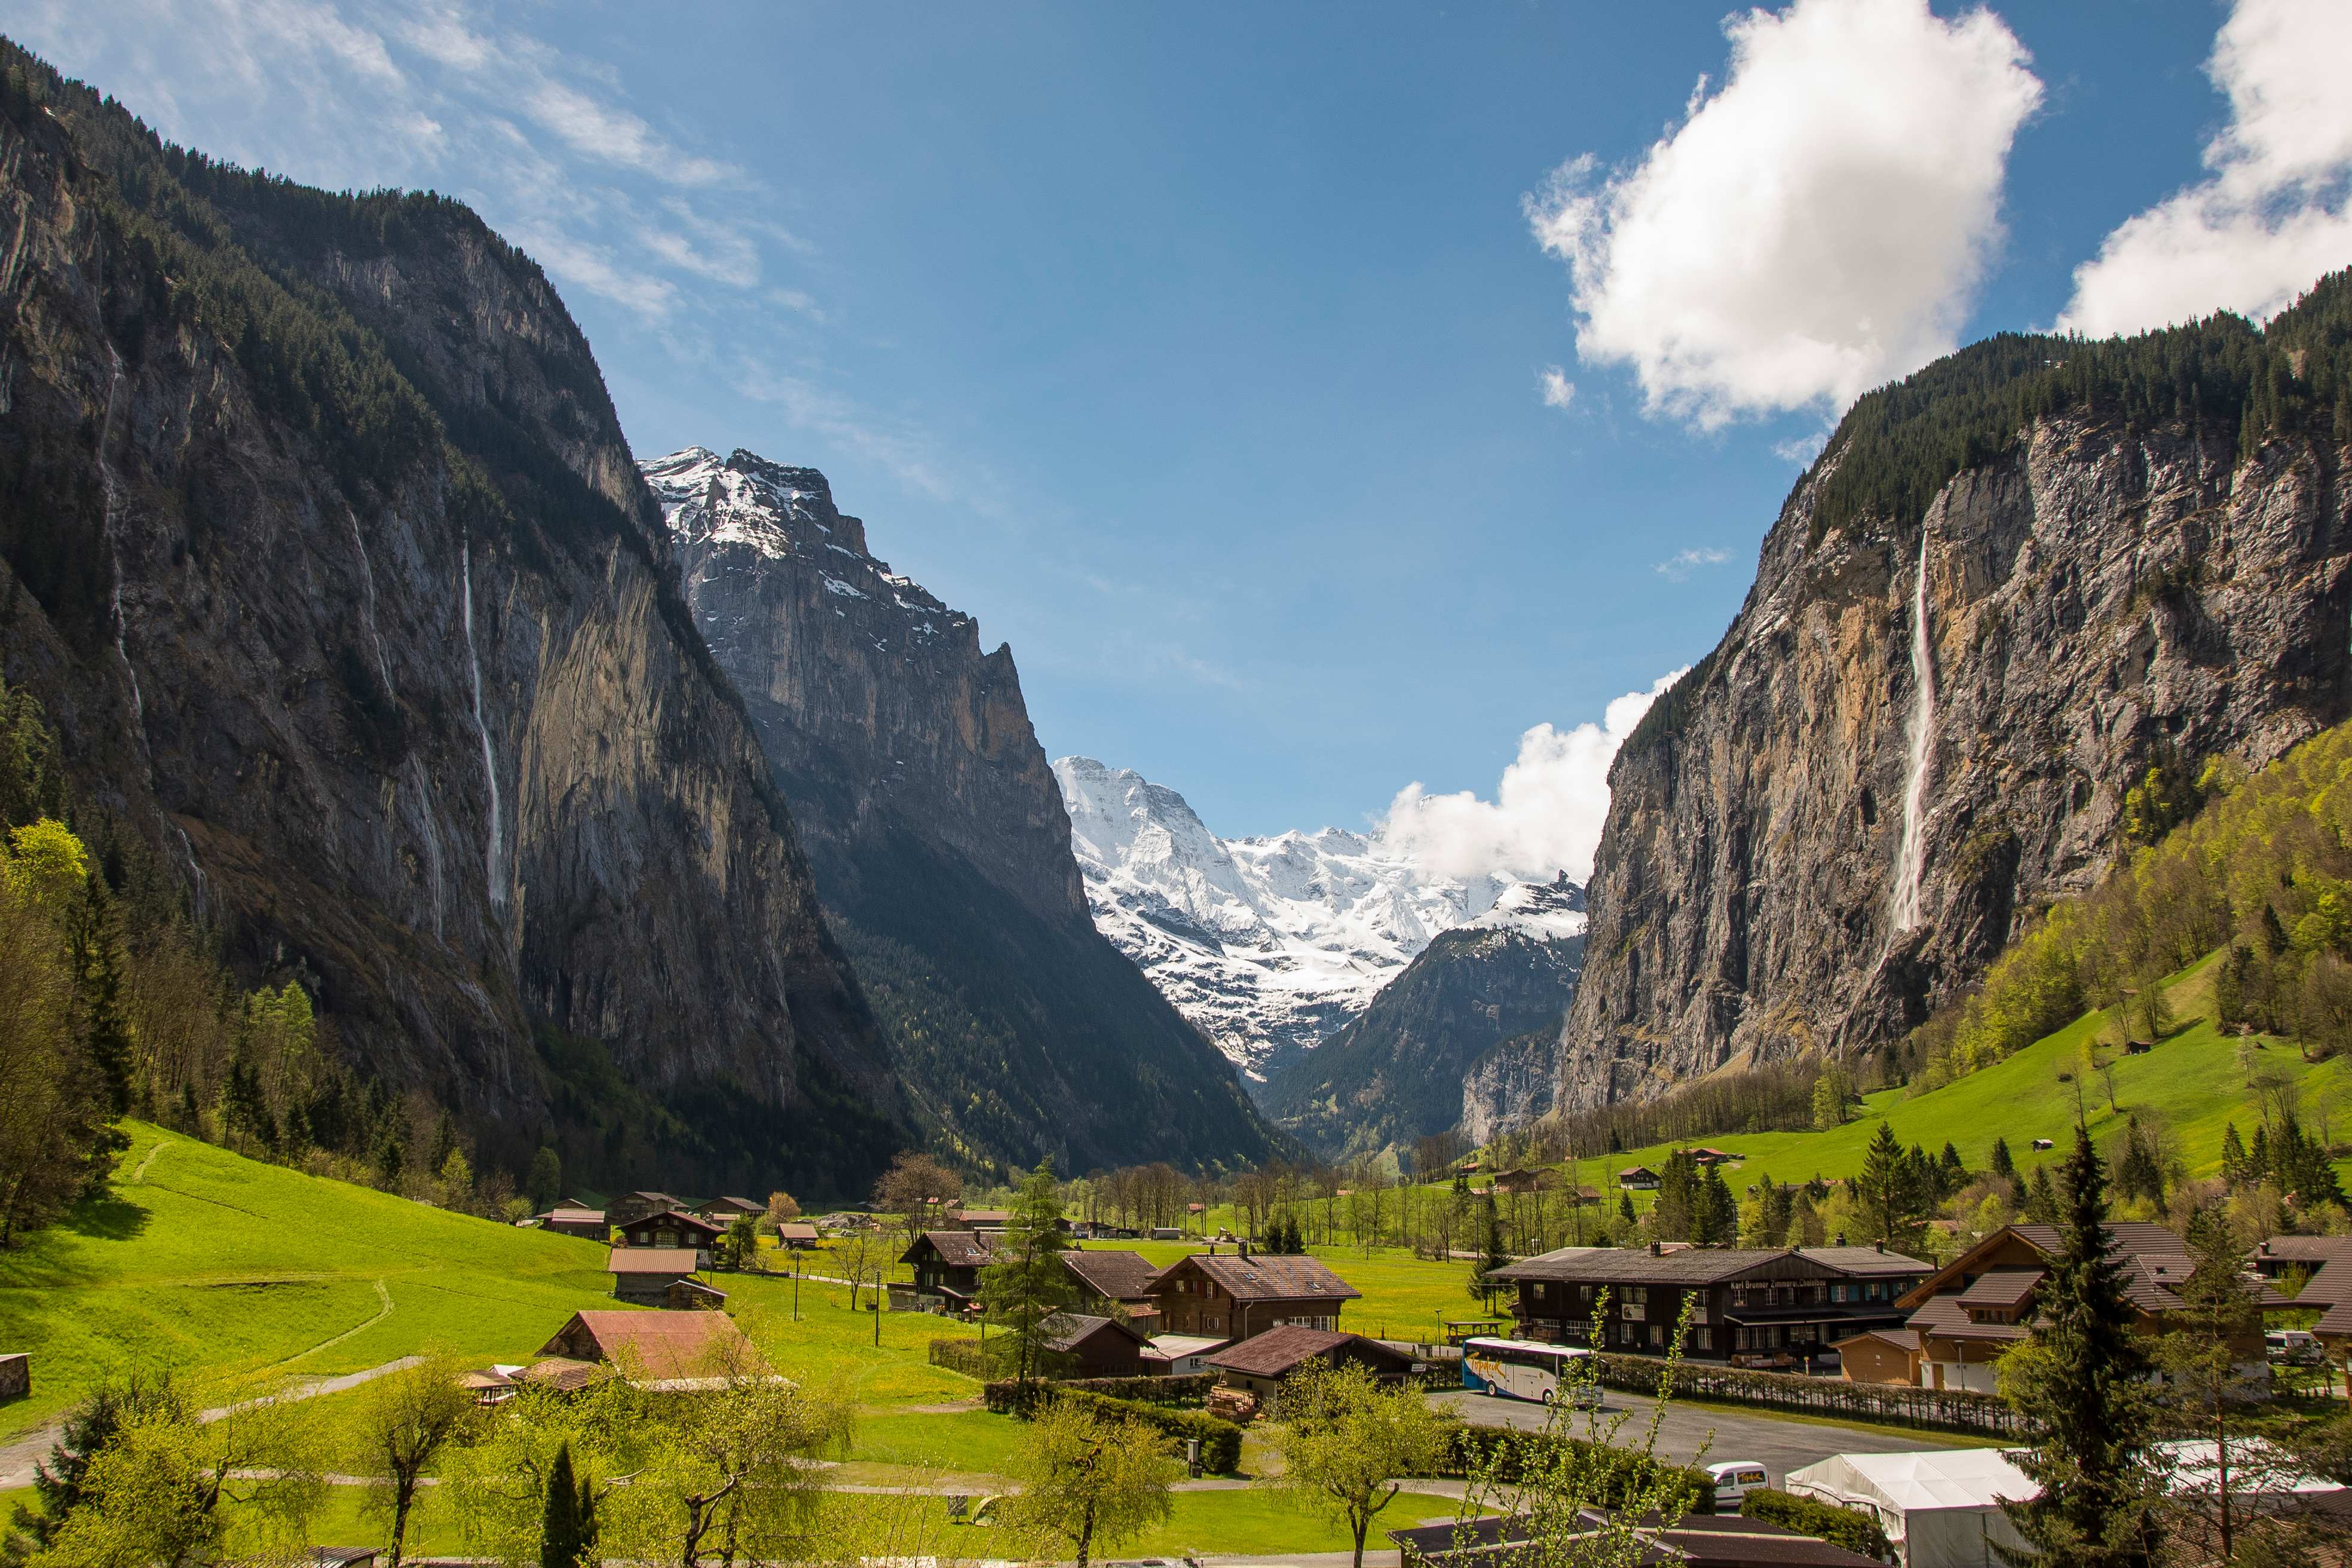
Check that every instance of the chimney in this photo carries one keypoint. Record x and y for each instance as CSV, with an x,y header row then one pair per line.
x,y
1655,1249
1880,1245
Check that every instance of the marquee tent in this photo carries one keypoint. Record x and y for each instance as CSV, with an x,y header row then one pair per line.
x,y
1939,1509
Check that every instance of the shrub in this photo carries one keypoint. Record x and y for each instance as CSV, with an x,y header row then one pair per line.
x,y
1221,1441
1847,1527
1619,1470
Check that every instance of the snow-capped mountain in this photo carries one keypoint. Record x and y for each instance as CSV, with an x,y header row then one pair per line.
x,y
1269,945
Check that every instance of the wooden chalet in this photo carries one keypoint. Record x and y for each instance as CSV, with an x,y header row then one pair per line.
x,y
726,1211
1093,1346
947,1265
1238,1294
628,1208
645,1274
587,1224
1638,1178
1967,1315
1754,1306
796,1235
673,1229
1260,1364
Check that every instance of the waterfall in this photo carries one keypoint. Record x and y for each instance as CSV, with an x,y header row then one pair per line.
x,y
367,585
199,887
431,833
1911,849
489,767
112,490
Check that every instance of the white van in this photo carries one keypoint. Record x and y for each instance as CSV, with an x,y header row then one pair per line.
x,y
2293,1346
1734,1480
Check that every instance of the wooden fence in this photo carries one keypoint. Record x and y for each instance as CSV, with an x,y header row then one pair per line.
x,y
1894,1404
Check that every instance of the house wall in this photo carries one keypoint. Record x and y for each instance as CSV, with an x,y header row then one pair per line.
x,y
1874,1361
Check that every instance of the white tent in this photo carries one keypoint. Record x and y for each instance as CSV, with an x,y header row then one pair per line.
x,y
1939,1509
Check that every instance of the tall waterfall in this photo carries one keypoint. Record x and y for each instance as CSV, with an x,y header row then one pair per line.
x,y
489,767
1911,849
112,490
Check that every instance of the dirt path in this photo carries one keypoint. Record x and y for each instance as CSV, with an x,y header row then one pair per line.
x,y
383,1313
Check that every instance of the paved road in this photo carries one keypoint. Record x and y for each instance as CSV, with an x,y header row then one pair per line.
x,y
1779,1443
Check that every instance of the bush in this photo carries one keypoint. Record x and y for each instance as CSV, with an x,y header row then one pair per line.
x,y
1847,1527
1470,1448
1221,1441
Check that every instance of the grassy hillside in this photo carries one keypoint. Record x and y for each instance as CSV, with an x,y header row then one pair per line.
x,y
2192,1081
220,1265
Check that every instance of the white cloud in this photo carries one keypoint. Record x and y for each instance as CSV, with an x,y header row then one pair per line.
x,y
1677,567
1548,810
2275,212
595,129
1811,228
1558,392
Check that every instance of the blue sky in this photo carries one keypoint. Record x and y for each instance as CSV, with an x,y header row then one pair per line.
x,y
1201,351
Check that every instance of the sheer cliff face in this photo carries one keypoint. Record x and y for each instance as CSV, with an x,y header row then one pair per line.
x,y
420,719
877,704
937,836
2095,599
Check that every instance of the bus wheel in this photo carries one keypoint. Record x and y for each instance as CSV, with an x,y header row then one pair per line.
x,y
1546,1398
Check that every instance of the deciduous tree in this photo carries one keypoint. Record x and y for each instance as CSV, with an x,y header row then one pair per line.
x,y
1087,1482
1345,1439
404,1420
1025,1283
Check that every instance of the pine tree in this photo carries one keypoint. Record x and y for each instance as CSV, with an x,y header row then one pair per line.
x,y
1888,1189
2235,1165
1715,1213
1625,1207
2042,1198
1491,1255
567,1537
1677,1201
2081,1384
2003,1164
1027,1285
1951,1175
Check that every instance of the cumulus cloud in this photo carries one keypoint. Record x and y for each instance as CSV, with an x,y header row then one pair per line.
x,y
2274,213
1548,810
1677,567
1812,227
1558,392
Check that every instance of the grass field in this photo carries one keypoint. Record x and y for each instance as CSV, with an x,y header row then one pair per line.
x,y
2191,1081
241,1272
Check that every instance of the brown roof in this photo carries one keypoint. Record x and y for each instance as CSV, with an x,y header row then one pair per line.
x,y
1944,1316
2001,1288
1277,1352
678,1218
1696,1541
562,1215
651,1260
659,1344
1265,1278
2335,1323
985,1216
1066,1332
793,1230
1901,1339
1117,1276
1696,1264
958,1247
2305,1248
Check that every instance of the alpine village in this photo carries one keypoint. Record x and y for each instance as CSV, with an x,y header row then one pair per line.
x,y
556,1010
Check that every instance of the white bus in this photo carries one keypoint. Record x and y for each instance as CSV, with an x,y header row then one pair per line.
x,y
1523,1369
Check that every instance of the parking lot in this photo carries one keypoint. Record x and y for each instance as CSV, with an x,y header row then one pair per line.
x,y
1779,1443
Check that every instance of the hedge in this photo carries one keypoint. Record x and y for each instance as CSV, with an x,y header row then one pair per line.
x,y
1191,1388
1847,1527
1471,1448
1895,1403
1221,1441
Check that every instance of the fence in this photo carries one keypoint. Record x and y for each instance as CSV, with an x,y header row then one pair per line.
x,y
1894,1404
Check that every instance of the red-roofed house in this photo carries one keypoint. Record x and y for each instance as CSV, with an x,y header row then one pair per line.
x,y
1260,1364
659,1349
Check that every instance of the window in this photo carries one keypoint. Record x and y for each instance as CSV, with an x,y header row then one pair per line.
x,y
1702,1338
1637,1294
1657,1336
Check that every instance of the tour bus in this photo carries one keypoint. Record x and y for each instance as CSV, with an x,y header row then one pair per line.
x,y
1523,1369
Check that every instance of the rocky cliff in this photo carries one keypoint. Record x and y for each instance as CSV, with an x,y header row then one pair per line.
x,y
325,552
1396,1071
939,840
2007,589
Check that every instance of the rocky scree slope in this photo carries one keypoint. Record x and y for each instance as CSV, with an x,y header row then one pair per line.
x,y
938,838
321,543
1395,1071
1268,944
2134,554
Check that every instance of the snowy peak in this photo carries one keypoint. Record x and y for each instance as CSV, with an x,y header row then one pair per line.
x,y
1267,944
1547,911
713,505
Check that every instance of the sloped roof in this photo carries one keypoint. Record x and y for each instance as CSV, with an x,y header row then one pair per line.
x,y
1119,1276
561,1372
1937,1478
1696,1264
1279,1352
1867,1260
660,1344
1998,1287
1066,1332
678,1218
2304,1249
1900,1339
1267,1278
1944,1316
958,1249
651,1260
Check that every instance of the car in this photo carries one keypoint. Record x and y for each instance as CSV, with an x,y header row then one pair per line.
x,y
2294,1347
1734,1480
